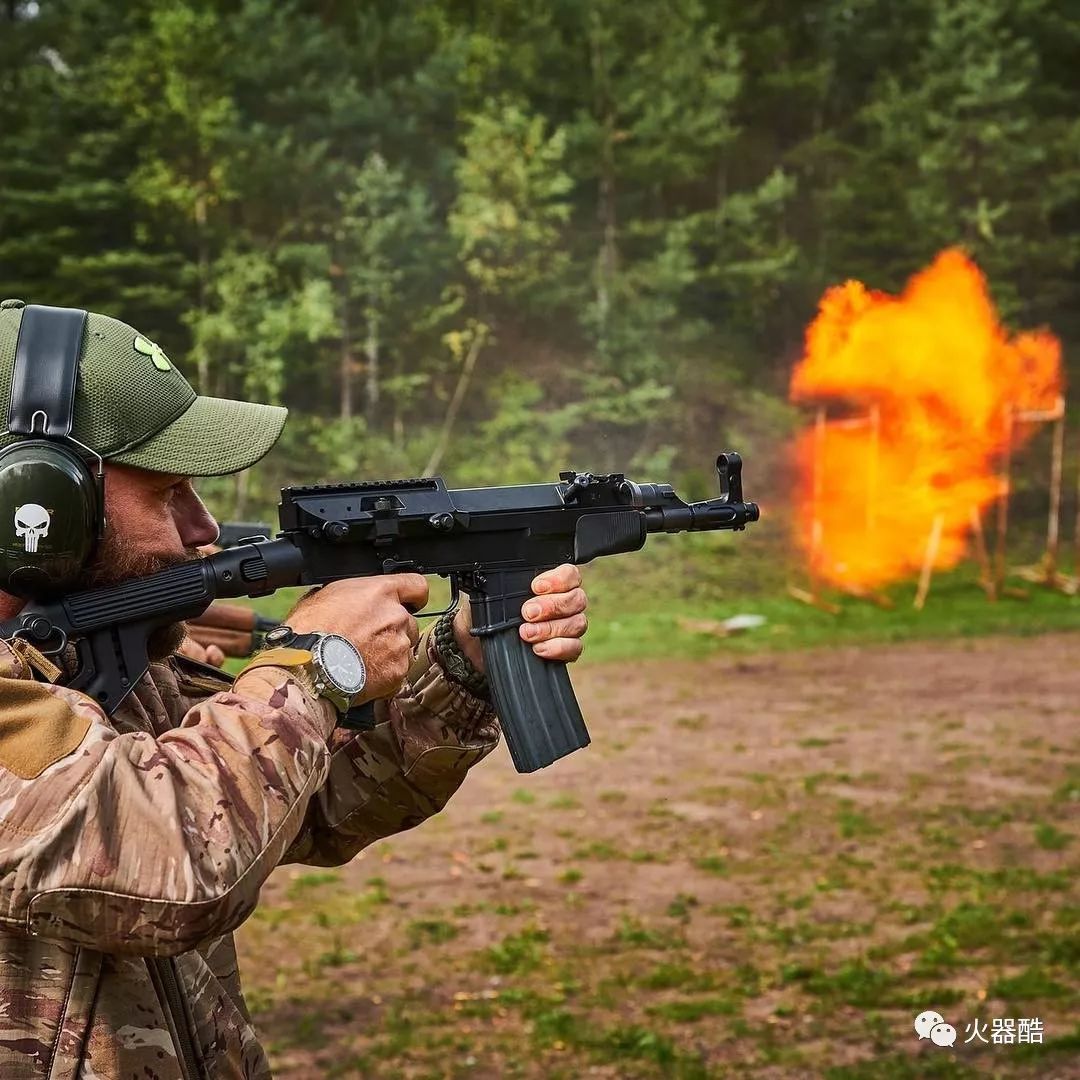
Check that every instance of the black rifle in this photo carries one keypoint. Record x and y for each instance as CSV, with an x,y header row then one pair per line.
x,y
491,542
231,533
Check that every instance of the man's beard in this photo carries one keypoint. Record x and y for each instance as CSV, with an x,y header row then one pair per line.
x,y
114,563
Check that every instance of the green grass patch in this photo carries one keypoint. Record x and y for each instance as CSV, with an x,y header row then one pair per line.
x,y
1050,838
600,850
854,823
690,1010
565,802
957,608
677,976
517,954
691,723
904,1067
634,1041
303,884
1032,984
712,864
430,932
613,796
681,906
636,934
1069,791
854,983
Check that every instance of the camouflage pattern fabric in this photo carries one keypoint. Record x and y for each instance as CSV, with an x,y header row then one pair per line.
x,y
127,861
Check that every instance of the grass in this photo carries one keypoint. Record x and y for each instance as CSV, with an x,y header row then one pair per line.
x,y
956,608
644,623
517,954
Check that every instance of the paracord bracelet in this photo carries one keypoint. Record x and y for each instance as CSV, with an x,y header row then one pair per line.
x,y
456,664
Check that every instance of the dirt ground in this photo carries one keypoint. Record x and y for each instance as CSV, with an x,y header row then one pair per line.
x,y
762,866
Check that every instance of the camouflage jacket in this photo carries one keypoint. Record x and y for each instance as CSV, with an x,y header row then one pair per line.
x,y
132,847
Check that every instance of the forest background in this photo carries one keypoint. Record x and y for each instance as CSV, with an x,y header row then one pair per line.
x,y
502,238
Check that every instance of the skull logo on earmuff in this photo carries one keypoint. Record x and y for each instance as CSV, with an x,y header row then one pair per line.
x,y
32,525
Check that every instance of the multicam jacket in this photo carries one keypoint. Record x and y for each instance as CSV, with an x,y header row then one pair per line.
x,y
132,847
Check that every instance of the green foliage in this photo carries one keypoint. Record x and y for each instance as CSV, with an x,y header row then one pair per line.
x,y
503,239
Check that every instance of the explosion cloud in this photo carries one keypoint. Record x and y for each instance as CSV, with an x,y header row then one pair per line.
x,y
942,379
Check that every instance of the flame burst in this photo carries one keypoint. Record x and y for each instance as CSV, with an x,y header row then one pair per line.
x,y
927,382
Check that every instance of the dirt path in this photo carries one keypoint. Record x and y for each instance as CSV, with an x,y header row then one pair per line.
x,y
763,866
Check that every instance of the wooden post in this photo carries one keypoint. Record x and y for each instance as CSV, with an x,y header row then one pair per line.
x,y
817,529
1003,503
1076,533
1053,525
986,573
1046,572
933,542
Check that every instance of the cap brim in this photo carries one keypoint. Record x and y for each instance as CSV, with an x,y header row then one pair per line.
x,y
212,437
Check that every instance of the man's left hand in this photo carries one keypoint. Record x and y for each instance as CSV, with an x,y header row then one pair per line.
x,y
205,654
554,617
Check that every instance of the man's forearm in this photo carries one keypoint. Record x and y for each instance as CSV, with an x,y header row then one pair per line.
x,y
391,778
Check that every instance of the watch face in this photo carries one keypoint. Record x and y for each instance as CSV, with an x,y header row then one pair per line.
x,y
341,663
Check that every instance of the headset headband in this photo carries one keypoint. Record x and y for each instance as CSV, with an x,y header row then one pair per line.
x,y
46,371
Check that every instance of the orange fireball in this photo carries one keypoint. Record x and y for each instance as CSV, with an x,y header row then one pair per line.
x,y
934,380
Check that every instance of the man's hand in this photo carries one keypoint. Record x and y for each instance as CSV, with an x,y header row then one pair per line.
x,y
205,654
372,614
555,619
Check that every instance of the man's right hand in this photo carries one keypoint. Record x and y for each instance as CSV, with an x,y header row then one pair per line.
x,y
372,614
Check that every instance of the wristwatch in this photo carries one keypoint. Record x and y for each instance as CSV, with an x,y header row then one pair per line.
x,y
337,668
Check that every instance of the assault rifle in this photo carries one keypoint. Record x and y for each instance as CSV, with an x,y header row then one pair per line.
x,y
236,630
490,542
231,533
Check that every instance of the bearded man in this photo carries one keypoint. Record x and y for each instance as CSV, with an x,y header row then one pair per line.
x,y
132,845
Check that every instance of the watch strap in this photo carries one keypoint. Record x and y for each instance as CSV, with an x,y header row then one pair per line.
x,y
297,652
458,667
298,661
283,656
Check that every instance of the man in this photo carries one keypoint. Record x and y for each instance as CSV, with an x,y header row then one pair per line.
x,y
132,846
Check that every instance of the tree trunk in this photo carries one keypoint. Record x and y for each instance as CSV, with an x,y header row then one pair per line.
x,y
399,419
240,491
477,343
607,256
371,351
203,269
345,369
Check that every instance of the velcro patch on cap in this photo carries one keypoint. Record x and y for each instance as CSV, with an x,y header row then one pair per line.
x,y
154,351
37,728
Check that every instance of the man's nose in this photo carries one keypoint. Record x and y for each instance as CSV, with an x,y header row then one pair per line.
x,y
194,523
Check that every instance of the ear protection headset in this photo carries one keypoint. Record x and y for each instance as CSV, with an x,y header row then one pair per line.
x,y
52,487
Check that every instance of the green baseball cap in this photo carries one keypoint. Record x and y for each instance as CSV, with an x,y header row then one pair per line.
x,y
133,407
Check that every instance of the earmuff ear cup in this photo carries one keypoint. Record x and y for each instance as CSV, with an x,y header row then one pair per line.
x,y
49,517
